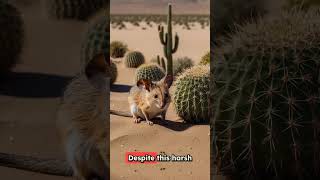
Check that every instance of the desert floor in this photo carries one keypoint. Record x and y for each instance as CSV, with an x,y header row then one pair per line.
x,y
29,99
172,136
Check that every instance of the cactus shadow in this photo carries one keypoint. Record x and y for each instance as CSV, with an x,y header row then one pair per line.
x,y
120,88
33,85
173,125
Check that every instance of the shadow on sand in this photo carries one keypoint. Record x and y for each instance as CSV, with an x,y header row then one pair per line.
x,y
121,88
173,125
33,85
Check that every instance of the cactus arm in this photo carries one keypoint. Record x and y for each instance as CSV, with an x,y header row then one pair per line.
x,y
163,64
176,43
158,60
161,35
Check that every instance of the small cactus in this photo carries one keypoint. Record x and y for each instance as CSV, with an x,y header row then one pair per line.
x,y
118,49
160,61
180,64
11,36
265,110
150,71
113,72
96,41
191,96
205,59
134,59
74,9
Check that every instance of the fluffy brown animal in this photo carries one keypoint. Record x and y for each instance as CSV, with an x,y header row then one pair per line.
x,y
149,99
82,121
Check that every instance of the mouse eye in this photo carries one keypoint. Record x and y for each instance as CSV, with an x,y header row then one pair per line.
x,y
155,96
166,95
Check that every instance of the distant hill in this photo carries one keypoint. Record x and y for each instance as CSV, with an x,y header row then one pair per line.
x,y
159,6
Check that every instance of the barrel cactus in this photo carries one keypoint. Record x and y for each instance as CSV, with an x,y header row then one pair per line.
x,y
11,36
113,72
74,9
96,41
118,49
205,59
266,108
180,64
134,59
191,96
149,71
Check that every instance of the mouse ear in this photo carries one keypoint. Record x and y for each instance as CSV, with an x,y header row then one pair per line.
x,y
168,80
96,72
145,83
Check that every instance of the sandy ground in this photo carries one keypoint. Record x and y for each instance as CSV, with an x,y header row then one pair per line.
x,y
193,43
173,137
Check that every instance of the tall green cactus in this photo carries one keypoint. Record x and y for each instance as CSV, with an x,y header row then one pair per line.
x,y
166,40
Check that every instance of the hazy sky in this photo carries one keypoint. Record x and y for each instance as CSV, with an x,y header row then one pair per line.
x,y
159,6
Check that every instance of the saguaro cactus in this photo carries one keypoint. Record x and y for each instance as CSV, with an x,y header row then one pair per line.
x,y
166,40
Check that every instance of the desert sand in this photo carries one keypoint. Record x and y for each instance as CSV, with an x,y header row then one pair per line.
x,y
51,56
172,136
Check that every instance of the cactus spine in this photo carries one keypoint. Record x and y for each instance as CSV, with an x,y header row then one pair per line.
x,y
205,59
96,41
265,87
150,71
166,40
191,96
134,59
74,9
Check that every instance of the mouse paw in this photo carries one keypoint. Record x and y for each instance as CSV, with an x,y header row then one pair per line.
x,y
150,123
137,120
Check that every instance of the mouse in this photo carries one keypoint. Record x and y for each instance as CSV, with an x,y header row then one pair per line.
x,y
148,99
